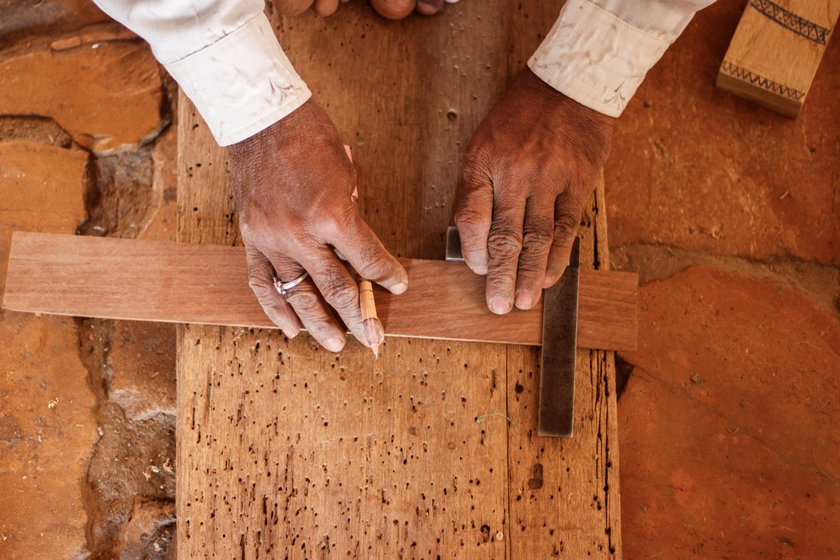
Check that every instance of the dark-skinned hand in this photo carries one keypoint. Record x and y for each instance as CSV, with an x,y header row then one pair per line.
x,y
528,171
292,185
391,9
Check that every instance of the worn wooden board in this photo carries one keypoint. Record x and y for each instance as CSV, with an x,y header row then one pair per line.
x,y
285,450
176,283
776,51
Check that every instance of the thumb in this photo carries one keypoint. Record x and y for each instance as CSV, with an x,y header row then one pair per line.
x,y
366,253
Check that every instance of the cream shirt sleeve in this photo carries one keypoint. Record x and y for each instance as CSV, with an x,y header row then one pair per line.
x,y
599,51
224,56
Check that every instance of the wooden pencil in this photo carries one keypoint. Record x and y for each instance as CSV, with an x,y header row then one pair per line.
x,y
374,333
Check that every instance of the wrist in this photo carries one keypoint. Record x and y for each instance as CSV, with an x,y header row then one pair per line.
x,y
273,136
552,101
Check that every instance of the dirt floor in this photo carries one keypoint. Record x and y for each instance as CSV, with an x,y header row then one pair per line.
x,y
730,213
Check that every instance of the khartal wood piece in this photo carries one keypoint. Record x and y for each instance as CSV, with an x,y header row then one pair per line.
x,y
285,450
174,283
776,51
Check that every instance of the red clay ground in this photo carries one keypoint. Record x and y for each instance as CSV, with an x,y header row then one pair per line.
x,y
729,212
732,214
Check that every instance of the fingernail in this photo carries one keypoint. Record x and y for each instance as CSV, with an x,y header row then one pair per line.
x,y
334,344
480,269
400,288
500,306
426,7
524,300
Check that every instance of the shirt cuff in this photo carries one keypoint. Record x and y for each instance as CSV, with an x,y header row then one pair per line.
x,y
242,83
595,57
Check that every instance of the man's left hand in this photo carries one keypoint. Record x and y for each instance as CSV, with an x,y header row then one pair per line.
x,y
528,172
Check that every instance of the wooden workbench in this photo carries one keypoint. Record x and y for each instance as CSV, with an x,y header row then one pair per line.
x,y
285,450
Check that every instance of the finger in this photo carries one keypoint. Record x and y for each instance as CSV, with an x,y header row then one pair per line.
x,y
473,217
292,7
325,8
338,288
504,243
261,280
567,212
359,245
429,7
536,244
393,9
310,307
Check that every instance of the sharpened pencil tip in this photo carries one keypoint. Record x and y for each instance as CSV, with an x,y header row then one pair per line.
x,y
374,335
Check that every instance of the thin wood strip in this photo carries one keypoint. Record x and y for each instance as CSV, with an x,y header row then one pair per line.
x,y
208,284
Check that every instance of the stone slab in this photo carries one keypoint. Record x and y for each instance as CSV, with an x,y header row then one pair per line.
x,y
106,95
47,425
729,442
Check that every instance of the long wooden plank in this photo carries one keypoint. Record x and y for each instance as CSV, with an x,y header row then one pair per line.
x,y
776,51
205,284
285,451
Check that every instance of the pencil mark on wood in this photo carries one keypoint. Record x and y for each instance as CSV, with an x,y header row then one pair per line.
x,y
760,81
791,21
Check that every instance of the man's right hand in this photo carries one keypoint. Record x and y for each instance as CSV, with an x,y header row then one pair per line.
x,y
293,183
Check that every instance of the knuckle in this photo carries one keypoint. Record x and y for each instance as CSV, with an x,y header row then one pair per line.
x,y
499,284
337,219
257,274
468,219
260,289
375,264
529,269
341,295
565,224
504,243
304,300
260,282
537,241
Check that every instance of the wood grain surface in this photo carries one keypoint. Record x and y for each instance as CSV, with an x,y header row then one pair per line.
x,y
285,450
208,284
776,51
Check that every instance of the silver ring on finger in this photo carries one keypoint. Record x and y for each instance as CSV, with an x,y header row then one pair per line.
x,y
283,288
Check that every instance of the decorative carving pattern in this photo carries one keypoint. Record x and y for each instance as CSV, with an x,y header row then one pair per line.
x,y
788,19
765,83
